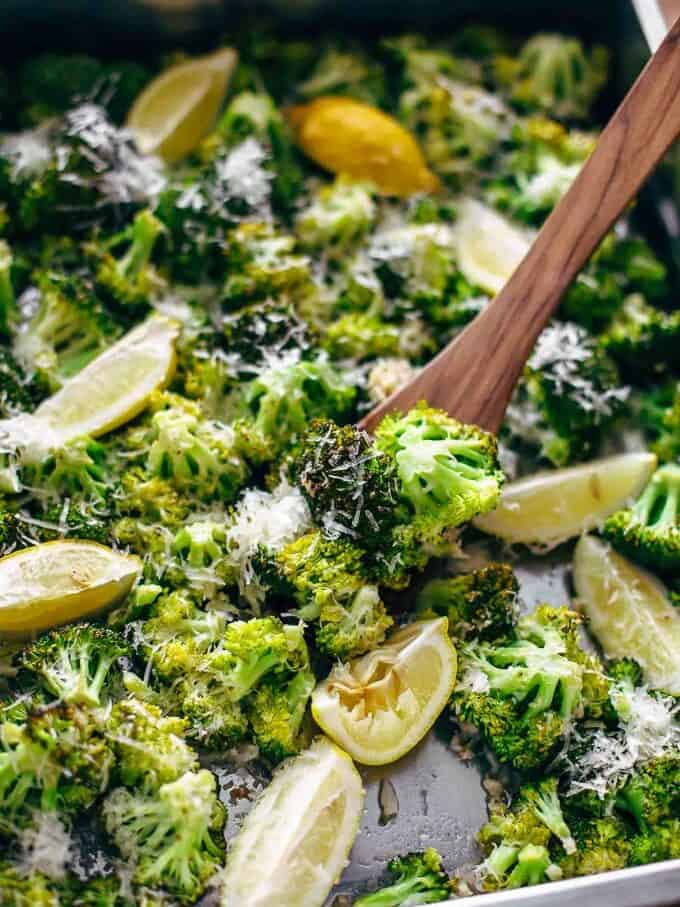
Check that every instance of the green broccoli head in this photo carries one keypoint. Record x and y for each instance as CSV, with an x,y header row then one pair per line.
x,y
652,794
278,405
262,263
348,72
569,395
340,215
418,878
78,471
22,890
449,472
77,663
649,532
213,721
149,746
555,74
625,671
660,842
173,836
19,391
643,340
351,487
602,844
516,843
660,419
361,336
276,712
259,334
480,604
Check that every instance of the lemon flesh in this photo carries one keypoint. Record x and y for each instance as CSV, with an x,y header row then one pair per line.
x,y
178,108
489,247
551,507
114,387
629,612
352,138
58,582
295,842
379,706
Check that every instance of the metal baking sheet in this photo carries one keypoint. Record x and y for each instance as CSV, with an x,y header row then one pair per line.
x,y
431,797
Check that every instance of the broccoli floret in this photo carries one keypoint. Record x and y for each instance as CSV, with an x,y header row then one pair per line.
x,y
67,330
660,419
345,72
340,215
554,74
129,280
569,395
58,759
259,334
601,845
643,340
18,889
276,712
652,794
328,580
18,392
481,604
76,663
418,879
8,310
362,336
460,126
149,746
649,531
214,722
448,471
422,63
152,499
625,671
201,543
193,453
278,405
661,842
77,470
351,487
619,267
173,836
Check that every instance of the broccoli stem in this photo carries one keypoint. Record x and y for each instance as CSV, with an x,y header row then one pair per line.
x,y
659,504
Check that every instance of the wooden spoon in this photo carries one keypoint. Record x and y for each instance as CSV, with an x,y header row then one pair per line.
x,y
473,378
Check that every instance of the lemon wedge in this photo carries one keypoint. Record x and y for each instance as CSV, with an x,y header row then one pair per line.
x,y
548,508
113,388
489,247
379,706
58,582
178,108
352,138
294,843
629,612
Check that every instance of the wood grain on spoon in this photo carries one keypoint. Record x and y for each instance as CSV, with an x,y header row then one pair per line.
x,y
474,377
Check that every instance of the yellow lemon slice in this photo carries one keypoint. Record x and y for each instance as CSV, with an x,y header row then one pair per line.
x,y
58,582
629,612
349,137
551,507
489,246
294,843
178,108
114,387
379,706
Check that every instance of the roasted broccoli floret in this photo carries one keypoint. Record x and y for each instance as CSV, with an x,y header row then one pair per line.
x,y
569,395
351,487
276,711
57,759
174,836
345,72
19,392
77,470
660,419
328,580
261,333
643,340
19,889
649,531
481,604
278,405
76,663
362,336
602,844
149,746
554,74
522,693
67,329
448,471
128,280
418,879
652,794
340,215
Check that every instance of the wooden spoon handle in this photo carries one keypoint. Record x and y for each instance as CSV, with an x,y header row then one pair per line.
x,y
474,377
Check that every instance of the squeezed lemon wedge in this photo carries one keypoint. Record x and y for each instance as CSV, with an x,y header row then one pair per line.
x,y
58,582
294,843
179,107
379,706
114,387
629,612
352,138
548,508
